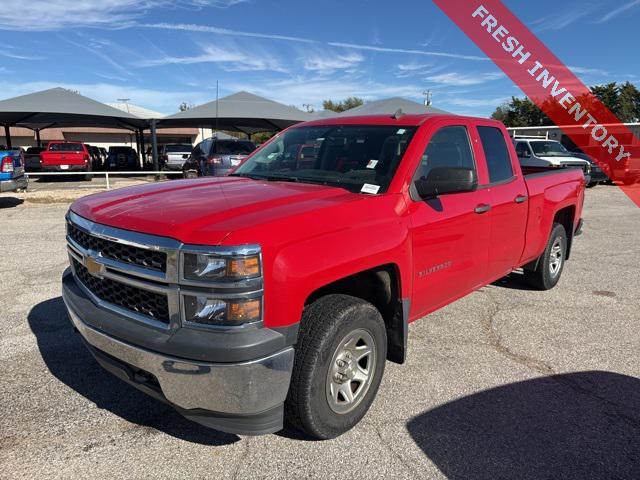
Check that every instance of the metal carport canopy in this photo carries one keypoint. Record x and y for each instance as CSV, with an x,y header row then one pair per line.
x,y
389,106
58,107
242,111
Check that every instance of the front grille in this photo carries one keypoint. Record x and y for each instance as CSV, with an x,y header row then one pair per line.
x,y
148,303
581,166
118,251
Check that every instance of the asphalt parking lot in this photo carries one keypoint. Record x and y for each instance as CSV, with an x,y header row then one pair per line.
x,y
505,383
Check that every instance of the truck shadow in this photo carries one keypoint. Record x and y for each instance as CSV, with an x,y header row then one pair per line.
x,y
71,363
10,202
513,281
571,426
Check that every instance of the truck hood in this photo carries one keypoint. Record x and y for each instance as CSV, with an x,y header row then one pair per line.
x,y
561,160
207,210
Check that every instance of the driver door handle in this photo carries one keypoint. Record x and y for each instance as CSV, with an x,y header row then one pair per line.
x,y
482,208
520,199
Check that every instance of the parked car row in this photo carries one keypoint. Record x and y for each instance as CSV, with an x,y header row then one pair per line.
x,y
72,156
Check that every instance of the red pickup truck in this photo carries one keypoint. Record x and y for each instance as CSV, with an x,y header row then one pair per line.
x,y
280,290
66,157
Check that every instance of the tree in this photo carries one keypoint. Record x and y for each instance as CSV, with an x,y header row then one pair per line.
x,y
184,106
629,100
609,95
521,113
623,100
346,104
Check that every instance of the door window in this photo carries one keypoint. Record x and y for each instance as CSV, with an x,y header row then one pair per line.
x,y
496,154
449,147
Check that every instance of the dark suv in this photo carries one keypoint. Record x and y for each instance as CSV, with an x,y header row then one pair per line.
x,y
124,158
218,157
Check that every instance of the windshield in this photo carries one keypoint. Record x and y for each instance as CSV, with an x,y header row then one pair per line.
x,y
232,147
65,147
359,158
549,149
178,148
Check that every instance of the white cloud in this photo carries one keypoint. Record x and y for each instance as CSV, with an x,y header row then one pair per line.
x,y
560,20
458,79
411,67
232,59
325,63
43,15
374,48
614,13
189,27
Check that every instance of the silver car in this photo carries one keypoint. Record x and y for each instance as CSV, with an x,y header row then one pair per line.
x,y
174,155
217,157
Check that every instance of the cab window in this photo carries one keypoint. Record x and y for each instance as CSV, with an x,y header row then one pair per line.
x,y
496,154
449,147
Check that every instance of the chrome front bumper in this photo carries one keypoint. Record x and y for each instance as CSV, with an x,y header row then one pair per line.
x,y
218,389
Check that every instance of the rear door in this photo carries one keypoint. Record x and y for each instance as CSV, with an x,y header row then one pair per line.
x,y
508,200
450,233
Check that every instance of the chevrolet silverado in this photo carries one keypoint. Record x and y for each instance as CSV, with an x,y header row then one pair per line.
x,y
279,292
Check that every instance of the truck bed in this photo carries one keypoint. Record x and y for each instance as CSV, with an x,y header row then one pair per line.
x,y
552,189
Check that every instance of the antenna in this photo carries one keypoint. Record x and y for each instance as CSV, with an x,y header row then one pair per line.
x,y
216,107
427,98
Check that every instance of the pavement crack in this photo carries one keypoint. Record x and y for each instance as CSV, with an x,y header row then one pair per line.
x,y
487,324
243,457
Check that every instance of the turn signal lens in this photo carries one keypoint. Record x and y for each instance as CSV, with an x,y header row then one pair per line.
x,y
203,267
244,267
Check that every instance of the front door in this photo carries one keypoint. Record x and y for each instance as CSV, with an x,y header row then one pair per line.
x,y
449,233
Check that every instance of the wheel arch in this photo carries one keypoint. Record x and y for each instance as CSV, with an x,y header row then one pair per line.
x,y
381,287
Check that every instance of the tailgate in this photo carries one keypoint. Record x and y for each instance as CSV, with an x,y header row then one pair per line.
x,y
62,158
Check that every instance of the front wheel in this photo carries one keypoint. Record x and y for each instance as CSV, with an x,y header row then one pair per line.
x,y
551,262
339,363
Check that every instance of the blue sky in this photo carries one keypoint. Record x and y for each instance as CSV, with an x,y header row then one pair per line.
x,y
160,53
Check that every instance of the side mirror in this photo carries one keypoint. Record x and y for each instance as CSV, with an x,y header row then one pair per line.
x,y
443,180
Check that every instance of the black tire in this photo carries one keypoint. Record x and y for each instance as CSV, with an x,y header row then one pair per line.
x,y
545,277
326,323
591,185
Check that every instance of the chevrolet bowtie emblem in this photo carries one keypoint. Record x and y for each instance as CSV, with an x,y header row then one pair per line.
x,y
94,268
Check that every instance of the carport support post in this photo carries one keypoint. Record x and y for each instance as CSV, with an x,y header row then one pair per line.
x,y
138,145
38,141
142,147
7,135
154,145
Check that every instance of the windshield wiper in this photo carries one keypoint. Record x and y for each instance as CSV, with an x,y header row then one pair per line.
x,y
269,178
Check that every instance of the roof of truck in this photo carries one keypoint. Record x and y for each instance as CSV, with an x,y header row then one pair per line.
x,y
388,119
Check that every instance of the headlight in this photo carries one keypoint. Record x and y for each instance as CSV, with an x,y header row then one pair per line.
x,y
206,310
203,267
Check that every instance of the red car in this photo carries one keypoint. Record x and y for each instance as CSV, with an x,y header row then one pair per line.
x,y
282,289
66,157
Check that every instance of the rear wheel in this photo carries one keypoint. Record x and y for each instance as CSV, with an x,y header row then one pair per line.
x,y
340,359
551,262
